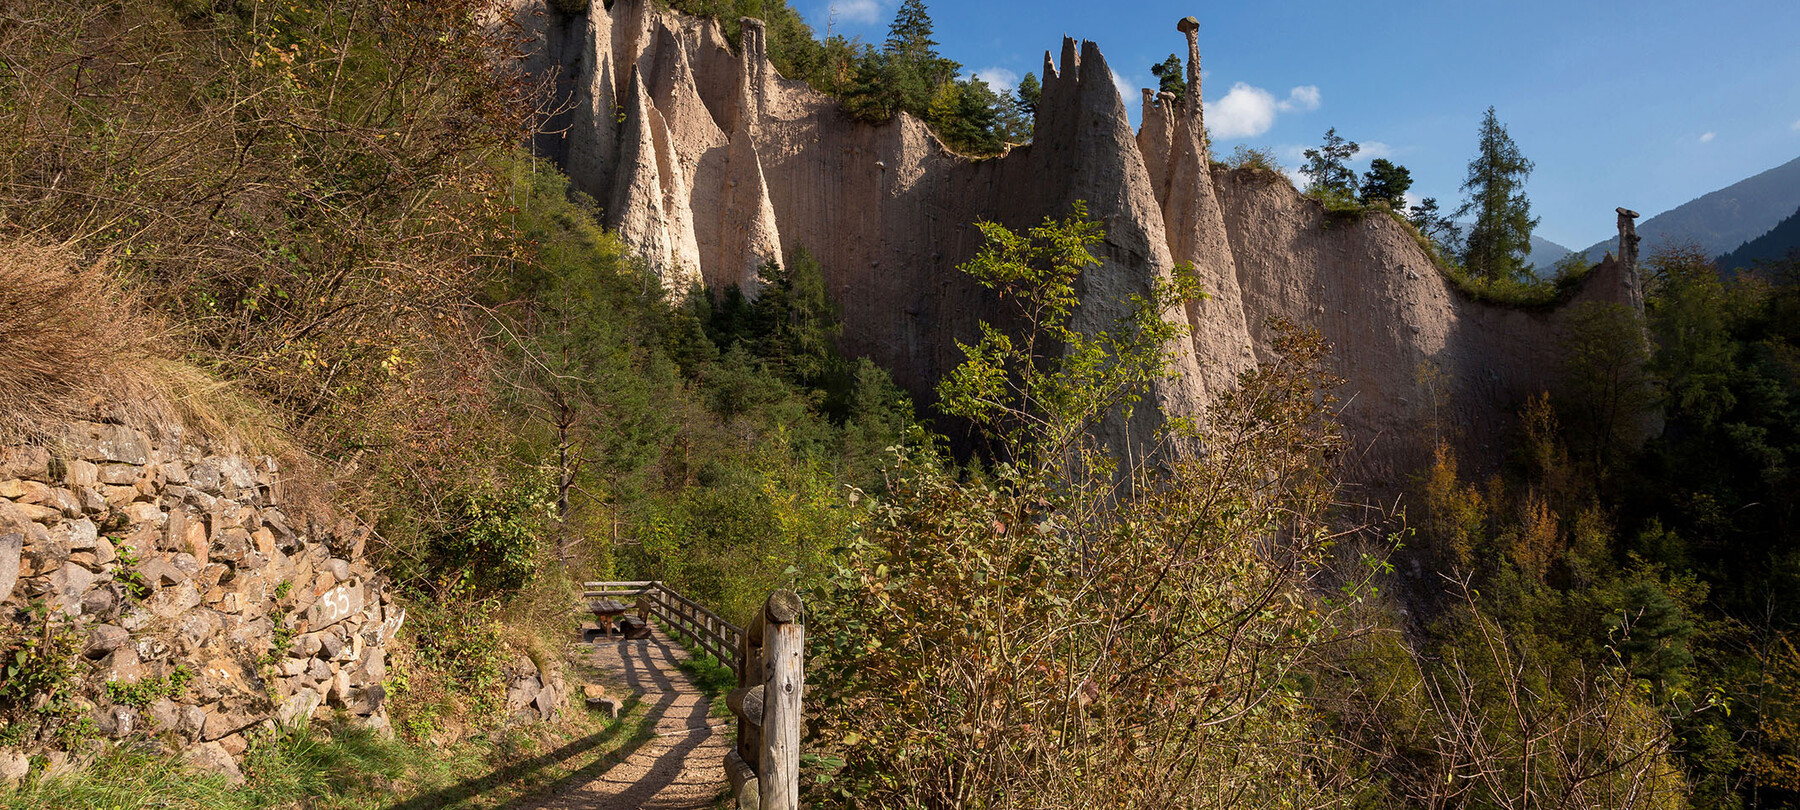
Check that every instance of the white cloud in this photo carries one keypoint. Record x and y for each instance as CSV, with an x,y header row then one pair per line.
x,y
1294,176
1796,126
867,12
1128,89
1707,137
998,79
1247,111
1244,112
1305,97
1370,150
1412,200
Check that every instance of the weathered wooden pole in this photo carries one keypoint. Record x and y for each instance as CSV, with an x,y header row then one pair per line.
x,y
784,681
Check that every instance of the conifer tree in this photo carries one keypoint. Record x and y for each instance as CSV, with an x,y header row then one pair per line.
x,y
1030,90
1325,166
1387,182
1172,76
1500,238
915,70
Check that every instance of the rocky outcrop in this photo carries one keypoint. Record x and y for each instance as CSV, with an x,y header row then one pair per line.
x,y
202,602
889,211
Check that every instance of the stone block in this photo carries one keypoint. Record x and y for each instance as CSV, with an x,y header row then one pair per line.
x,y
146,514
104,553
120,475
299,708
96,441
117,721
192,722
174,472
66,502
117,498
11,550
123,665
14,766
99,601
234,744
213,758
78,474
25,462
68,585
204,476
158,572
93,502
306,646
103,639
173,601
93,441
330,646
32,492
163,715
521,694
230,543
17,512
80,533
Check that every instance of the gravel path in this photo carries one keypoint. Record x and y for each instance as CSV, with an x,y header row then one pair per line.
x,y
682,766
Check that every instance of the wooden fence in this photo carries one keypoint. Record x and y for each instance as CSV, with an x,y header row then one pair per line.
x,y
769,659
717,637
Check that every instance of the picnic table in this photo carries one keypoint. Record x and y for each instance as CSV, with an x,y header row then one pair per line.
x,y
605,610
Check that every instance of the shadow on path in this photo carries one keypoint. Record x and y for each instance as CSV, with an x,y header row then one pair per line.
x,y
646,665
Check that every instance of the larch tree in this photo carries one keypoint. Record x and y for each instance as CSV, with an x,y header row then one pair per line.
x,y
1500,238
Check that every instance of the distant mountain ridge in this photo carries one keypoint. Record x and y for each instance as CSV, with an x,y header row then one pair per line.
x,y
1723,220
1778,243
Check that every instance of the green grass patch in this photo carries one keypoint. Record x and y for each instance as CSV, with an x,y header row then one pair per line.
x,y
712,677
348,767
1507,292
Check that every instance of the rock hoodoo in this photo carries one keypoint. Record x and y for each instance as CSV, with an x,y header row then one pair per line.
x,y
713,163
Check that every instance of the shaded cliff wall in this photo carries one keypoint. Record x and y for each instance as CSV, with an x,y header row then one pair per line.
x,y
1421,359
710,163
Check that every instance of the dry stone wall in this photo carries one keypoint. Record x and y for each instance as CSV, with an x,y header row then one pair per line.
x,y
187,571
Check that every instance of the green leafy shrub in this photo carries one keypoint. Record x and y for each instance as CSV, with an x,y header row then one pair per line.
x,y
1065,627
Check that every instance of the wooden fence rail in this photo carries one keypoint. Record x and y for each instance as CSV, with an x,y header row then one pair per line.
x,y
717,637
768,657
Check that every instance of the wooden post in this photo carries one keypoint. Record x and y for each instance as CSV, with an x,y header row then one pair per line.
x,y
784,681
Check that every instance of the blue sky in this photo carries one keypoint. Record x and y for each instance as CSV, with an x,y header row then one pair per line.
x,y
1643,104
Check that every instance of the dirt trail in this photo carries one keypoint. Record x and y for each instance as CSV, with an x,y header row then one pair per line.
x,y
682,765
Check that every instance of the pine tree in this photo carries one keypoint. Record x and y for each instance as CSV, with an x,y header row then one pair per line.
x,y
1325,166
1028,94
1172,75
915,70
1441,230
1500,239
1386,182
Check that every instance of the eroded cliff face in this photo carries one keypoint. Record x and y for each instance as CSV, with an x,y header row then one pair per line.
x,y
711,163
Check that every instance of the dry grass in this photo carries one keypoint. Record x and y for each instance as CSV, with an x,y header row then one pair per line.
x,y
67,334
75,344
